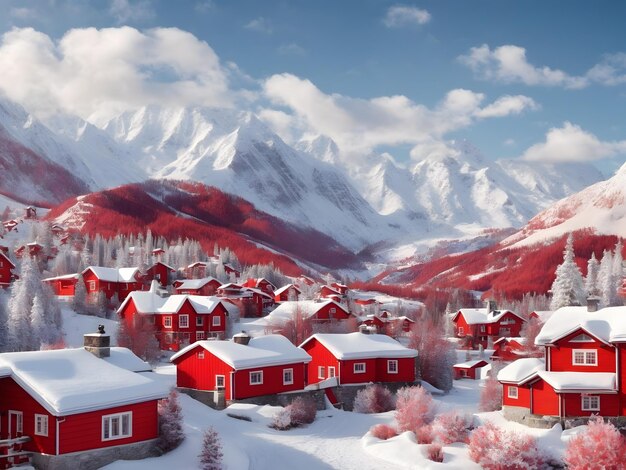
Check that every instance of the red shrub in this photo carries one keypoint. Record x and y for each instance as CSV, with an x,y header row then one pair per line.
x,y
491,395
424,435
450,427
211,454
434,452
383,431
373,399
602,441
414,408
494,448
300,411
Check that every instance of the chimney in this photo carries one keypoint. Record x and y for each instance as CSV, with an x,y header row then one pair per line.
x,y
242,338
491,306
98,343
367,330
592,303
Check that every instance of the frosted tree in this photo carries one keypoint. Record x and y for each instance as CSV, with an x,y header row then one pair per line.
x,y
79,301
38,324
591,281
211,454
170,423
4,333
20,306
606,281
618,270
567,288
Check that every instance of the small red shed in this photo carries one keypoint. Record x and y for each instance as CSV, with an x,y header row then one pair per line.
x,y
288,292
160,272
469,369
6,265
204,286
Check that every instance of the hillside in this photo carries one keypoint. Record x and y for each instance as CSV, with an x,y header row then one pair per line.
x,y
180,209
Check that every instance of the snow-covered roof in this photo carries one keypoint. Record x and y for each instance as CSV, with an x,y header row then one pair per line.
x,y
70,381
126,359
563,381
196,283
521,370
284,288
60,278
148,302
162,263
361,346
7,259
517,339
607,324
262,351
470,364
114,274
543,315
480,316
307,308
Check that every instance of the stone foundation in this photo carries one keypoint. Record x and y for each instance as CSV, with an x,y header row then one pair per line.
x,y
94,459
522,415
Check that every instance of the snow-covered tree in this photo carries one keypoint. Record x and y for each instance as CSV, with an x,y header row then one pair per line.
x,y
618,270
211,455
4,333
38,324
20,305
494,448
591,280
140,339
170,423
567,288
529,332
491,394
599,447
414,408
436,354
606,281
374,398
79,301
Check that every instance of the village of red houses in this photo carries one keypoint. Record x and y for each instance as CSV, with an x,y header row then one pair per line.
x,y
118,332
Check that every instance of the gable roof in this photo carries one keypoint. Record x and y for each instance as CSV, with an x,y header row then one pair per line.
x,y
576,381
196,283
607,324
348,346
287,287
481,316
70,381
2,255
521,370
113,274
262,351
147,302
308,308
471,364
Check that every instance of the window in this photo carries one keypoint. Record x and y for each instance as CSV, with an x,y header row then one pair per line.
x,y
359,368
585,357
321,372
333,310
463,372
199,321
512,391
583,338
91,285
590,403
117,426
199,335
256,377
392,366
183,321
287,376
331,371
461,331
219,381
201,354
482,328
41,425
167,322
505,331
217,320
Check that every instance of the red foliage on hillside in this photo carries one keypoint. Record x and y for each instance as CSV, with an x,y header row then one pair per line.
x,y
192,210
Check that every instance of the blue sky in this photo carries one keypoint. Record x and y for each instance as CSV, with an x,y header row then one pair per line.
x,y
410,76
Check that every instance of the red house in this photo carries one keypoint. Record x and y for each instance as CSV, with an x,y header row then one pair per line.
x,y
112,281
6,265
243,367
262,284
385,323
285,293
74,403
160,272
327,291
228,269
356,358
469,369
341,288
204,286
9,225
63,285
319,312
251,302
33,249
508,349
479,326
541,315
178,320
582,373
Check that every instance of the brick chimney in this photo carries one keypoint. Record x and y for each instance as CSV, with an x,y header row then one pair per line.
x,y
98,344
242,338
592,303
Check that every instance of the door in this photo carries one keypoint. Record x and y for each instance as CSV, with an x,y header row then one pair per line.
x,y
16,424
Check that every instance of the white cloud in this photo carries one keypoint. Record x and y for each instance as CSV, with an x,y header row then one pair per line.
x,y
131,10
509,64
110,70
402,15
260,25
570,143
359,125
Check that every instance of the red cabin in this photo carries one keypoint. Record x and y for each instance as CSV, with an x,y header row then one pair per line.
x,y
288,292
327,291
33,249
251,302
63,285
356,358
582,373
178,320
72,401
541,315
6,265
242,367
469,369
480,326
112,281
319,312
508,349
261,284
341,288
160,272
204,286
228,269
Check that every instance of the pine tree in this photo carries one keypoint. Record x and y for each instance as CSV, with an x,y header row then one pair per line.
x,y
170,423
606,280
4,333
211,454
591,281
567,288
79,301
20,306
38,324
618,271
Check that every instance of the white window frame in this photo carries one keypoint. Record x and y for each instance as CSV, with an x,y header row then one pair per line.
x,y
392,366
201,354
460,330
199,320
167,321
287,376
512,392
19,422
332,310
321,372
217,321
356,368
217,382
331,371
260,376
483,328
585,361
588,405
200,336
91,285
120,435
41,425
184,316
